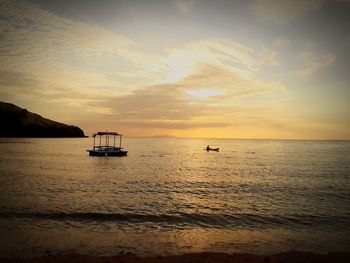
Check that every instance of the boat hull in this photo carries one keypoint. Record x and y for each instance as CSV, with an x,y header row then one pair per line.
x,y
213,149
107,154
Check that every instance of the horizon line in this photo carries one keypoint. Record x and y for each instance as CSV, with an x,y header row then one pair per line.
x,y
233,138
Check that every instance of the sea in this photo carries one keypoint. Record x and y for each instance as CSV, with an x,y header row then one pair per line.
x,y
170,196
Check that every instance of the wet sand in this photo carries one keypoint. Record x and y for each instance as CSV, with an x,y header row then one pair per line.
x,y
287,257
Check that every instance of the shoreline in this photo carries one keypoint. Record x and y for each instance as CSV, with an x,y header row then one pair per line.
x,y
205,257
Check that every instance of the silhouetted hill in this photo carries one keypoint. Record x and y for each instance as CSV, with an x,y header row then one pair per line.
x,y
18,122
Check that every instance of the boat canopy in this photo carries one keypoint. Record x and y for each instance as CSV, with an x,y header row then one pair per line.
x,y
105,148
106,133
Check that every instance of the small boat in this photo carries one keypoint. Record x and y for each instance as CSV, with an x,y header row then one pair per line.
x,y
106,149
211,149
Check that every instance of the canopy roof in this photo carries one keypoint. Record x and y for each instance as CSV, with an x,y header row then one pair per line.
x,y
107,133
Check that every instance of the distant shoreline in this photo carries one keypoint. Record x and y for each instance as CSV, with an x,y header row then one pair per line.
x,y
187,138
206,257
242,139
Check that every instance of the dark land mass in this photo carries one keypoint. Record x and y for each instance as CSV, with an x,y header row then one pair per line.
x,y
286,257
18,122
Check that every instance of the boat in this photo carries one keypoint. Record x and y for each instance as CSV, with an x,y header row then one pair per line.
x,y
211,149
107,149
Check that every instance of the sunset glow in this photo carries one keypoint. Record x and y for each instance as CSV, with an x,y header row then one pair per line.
x,y
187,68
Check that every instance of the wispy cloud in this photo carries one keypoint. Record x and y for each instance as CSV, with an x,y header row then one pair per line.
x,y
185,6
240,59
169,105
281,42
313,62
62,53
281,11
48,47
224,78
93,69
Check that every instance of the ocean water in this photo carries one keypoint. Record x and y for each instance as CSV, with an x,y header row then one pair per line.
x,y
169,196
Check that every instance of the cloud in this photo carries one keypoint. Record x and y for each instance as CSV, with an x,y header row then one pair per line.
x,y
314,62
185,6
160,102
64,54
241,59
41,44
282,11
163,106
281,42
169,125
55,59
37,41
175,105
50,36
16,81
22,86
225,78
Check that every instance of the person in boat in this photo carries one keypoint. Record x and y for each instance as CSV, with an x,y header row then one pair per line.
x,y
208,148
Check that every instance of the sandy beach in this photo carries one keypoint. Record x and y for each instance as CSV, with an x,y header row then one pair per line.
x,y
290,257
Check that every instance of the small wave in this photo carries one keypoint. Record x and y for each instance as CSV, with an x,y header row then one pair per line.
x,y
215,220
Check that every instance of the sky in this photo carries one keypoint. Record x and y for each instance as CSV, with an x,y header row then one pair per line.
x,y
264,69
